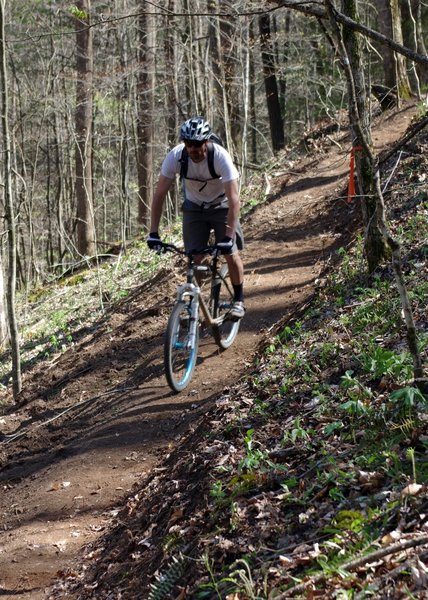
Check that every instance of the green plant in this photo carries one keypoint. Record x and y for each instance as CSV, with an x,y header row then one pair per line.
x,y
239,581
290,333
331,567
333,427
82,15
347,266
357,393
410,454
289,484
379,361
407,397
253,456
349,520
204,589
296,433
392,464
244,580
336,494
217,491
165,582
260,407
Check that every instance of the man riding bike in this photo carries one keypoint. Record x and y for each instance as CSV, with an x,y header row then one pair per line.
x,y
210,202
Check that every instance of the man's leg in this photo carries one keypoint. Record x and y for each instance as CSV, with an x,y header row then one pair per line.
x,y
234,261
236,272
236,268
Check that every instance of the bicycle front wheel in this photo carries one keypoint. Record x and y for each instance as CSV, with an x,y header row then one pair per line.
x,y
226,332
181,347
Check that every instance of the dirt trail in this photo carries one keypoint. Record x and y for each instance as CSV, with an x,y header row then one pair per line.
x,y
100,417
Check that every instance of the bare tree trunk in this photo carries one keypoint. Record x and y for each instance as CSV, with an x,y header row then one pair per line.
x,y
246,85
145,93
171,91
271,87
84,70
421,46
252,79
413,38
403,85
375,246
4,334
228,50
394,65
10,213
385,27
370,178
220,101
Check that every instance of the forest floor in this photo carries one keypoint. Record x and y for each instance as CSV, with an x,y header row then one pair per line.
x,y
93,423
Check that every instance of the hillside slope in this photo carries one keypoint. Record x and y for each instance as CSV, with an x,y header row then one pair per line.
x,y
95,426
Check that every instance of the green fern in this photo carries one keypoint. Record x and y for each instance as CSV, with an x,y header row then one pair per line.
x,y
165,582
405,426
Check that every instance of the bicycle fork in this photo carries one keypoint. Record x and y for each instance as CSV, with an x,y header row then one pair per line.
x,y
189,294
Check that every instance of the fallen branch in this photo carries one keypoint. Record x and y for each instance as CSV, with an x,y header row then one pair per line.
x,y
352,565
408,136
391,575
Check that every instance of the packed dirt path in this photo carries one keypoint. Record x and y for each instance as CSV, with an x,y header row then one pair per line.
x,y
97,419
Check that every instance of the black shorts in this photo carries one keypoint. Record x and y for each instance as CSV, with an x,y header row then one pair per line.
x,y
198,224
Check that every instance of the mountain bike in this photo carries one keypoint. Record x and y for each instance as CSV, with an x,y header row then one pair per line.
x,y
193,310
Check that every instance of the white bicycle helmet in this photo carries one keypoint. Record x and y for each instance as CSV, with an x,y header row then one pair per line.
x,y
197,129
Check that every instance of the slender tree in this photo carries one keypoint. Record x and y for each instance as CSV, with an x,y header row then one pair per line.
x,y
84,72
359,114
9,211
271,86
145,92
394,65
378,238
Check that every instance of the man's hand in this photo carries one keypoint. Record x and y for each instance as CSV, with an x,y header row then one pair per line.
x,y
153,241
226,245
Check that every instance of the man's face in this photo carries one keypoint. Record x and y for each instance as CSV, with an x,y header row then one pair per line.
x,y
197,150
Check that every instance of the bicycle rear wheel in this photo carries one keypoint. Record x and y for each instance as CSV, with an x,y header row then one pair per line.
x,y
226,332
180,351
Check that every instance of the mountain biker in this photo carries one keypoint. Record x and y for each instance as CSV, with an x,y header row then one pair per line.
x,y
209,202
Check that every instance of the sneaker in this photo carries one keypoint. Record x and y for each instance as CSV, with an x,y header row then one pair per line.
x,y
238,310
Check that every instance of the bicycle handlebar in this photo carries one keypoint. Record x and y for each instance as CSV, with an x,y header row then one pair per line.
x,y
166,247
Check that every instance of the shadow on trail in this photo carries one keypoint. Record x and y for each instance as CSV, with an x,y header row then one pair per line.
x,y
126,364
312,183
14,592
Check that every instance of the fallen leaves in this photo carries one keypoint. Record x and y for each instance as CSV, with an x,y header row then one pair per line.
x,y
413,489
56,486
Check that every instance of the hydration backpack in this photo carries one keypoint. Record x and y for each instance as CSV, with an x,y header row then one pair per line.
x,y
184,160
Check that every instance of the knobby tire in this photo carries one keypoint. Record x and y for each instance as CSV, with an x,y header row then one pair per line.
x,y
179,358
226,333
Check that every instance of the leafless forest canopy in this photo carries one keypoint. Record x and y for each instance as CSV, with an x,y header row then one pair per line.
x,y
97,91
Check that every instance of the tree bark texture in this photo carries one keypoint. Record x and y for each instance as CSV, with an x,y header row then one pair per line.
x,y
9,213
145,94
379,243
271,85
84,72
375,245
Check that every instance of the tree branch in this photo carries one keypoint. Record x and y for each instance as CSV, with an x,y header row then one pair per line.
x,y
409,135
356,563
316,10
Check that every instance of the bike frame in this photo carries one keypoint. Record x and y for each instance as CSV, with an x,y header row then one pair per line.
x,y
190,290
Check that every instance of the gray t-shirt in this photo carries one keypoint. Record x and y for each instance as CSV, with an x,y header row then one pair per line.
x,y
199,186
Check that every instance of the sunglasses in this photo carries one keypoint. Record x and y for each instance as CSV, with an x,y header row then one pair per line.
x,y
196,144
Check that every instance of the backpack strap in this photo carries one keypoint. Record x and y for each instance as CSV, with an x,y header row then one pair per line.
x,y
210,157
184,162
